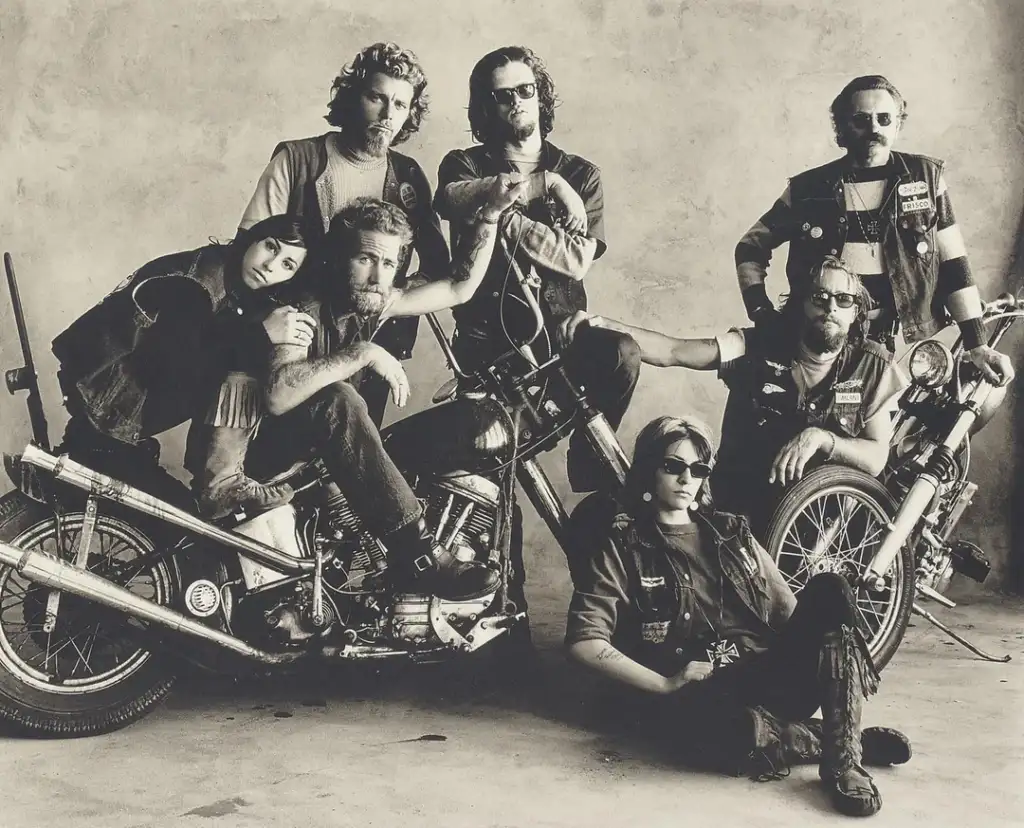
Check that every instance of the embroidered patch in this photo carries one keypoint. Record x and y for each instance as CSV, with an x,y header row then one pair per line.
x,y
655,631
771,388
407,195
652,583
916,205
849,385
913,188
848,398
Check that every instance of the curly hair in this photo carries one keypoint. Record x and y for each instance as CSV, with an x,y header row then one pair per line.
x,y
371,215
387,59
481,103
652,442
793,308
840,109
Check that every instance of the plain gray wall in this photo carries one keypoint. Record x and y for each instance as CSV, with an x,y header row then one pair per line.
x,y
134,129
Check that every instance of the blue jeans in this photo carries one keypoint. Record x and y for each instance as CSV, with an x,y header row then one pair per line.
x,y
335,425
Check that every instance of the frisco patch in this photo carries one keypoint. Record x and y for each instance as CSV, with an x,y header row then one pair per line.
x,y
913,188
407,195
652,582
848,398
655,631
916,205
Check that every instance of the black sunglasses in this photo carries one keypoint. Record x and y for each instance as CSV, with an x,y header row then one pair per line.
x,y
821,298
863,120
675,467
507,96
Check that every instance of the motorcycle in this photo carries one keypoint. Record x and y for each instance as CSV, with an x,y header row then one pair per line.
x,y
892,537
103,586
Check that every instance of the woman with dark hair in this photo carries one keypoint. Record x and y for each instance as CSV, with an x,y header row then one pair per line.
x,y
680,603
153,351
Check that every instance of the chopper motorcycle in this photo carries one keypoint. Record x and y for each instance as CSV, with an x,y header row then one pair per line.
x,y
892,537
103,587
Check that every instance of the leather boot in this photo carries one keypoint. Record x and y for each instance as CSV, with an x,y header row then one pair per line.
x,y
881,747
418,564
846,676
224,487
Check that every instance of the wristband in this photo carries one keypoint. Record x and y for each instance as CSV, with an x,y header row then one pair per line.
x,y
481,216
973,333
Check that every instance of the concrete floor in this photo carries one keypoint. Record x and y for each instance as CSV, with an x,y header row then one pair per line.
x,y
302,751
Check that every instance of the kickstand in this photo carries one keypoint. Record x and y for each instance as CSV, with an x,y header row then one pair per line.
x,y
927,616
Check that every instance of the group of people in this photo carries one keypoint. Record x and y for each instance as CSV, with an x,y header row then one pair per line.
x,y
287,341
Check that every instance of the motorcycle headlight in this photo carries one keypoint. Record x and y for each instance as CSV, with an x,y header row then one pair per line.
x,y
931,364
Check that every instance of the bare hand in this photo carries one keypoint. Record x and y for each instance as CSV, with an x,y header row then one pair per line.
x,y
789,463
576,219
505,190
287,326
694,671
994,366
567,327
390,369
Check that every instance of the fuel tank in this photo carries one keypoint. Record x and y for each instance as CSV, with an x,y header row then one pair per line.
x,y
470,433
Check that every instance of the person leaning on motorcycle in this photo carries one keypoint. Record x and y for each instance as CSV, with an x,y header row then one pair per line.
x,y
312,403
803,388
147,357
889,216
676,601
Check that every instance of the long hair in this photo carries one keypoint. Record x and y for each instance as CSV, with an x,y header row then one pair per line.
x,y
287,229
481,104
840,109
652,442
387,59
793,318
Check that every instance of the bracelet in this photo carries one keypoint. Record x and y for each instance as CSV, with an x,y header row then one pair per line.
x,y
481,216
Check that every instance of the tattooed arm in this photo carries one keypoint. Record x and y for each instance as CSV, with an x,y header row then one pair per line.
x,y
293,377
616,665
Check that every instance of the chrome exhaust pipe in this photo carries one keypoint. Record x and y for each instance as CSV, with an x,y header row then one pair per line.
x,y
57,574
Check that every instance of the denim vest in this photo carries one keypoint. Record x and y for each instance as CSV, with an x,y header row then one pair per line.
x,y
909,235
405,186
664,611
764,409
97,352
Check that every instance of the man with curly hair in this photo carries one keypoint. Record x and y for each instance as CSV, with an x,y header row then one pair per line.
x,y
889,216
378,101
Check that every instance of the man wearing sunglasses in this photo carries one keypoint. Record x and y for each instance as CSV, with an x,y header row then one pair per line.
x,y
804,388
888,215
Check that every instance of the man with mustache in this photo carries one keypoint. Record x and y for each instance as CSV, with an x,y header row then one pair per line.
x,y
554,234
378,101
804,388
889,216
311,393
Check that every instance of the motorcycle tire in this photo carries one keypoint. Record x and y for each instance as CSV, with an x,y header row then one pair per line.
x,y
810,510
81,687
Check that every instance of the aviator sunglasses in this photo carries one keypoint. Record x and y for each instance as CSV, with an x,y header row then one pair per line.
x,y
675,467
863,120
507,96
821,299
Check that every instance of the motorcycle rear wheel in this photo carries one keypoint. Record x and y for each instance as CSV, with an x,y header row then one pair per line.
x,y
93,672
849,510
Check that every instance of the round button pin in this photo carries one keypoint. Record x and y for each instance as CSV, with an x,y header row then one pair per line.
x,y
807,226
816,232
922,247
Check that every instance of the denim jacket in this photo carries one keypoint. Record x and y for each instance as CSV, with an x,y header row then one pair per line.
x,y
817,227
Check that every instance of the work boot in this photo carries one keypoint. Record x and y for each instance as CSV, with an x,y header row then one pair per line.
x,y
881,747
846,677
223,485
418,564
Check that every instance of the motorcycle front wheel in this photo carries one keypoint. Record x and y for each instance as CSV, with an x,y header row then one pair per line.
x,y
92,672
834,521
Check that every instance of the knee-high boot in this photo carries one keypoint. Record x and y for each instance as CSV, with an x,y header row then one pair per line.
x,y
222,484
847,677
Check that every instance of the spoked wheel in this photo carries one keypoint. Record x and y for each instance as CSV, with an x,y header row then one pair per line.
x,y
88,670
834,521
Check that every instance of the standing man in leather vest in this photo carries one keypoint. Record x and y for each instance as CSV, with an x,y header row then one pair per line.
x,y
804,388
888,215
378,101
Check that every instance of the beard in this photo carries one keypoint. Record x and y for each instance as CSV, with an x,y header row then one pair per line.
x,y
368,301
376,142
513,133
825,339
